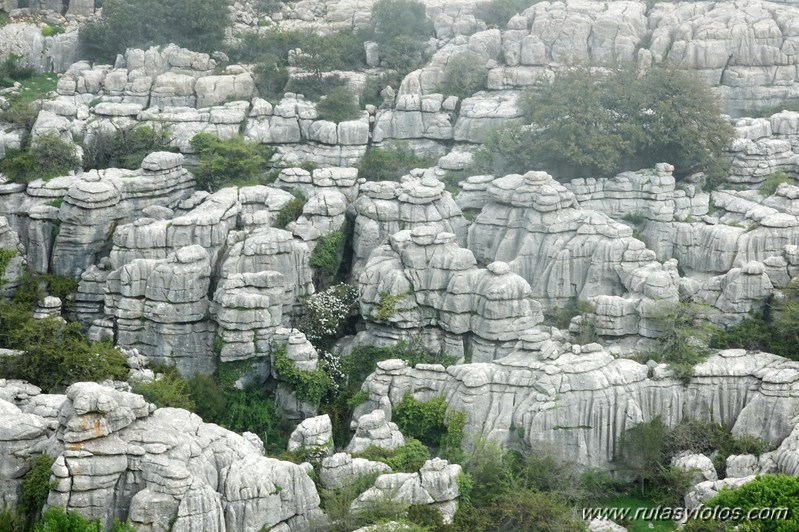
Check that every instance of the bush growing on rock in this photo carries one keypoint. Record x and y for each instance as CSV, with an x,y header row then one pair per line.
x,y
765,491
589,124
339,105
390,163
128,147
57,353
684,334
195,24
35,489
228,162
328,254
401,29
169,390
48,157
497,13
290,211
464,75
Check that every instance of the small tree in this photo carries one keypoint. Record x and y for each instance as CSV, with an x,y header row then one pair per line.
x,y
464,75
401,28
232,161
390,163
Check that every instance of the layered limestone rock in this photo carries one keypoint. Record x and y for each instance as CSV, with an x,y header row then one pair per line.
x,y
422,278
435,484
698,464
98,201
160,307
13,258
341,470
314,434
302,356
118,457
374,430
575,402
385,207
41,53
248,307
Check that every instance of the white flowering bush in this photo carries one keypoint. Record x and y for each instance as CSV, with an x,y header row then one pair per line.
x,y
326,313
331,364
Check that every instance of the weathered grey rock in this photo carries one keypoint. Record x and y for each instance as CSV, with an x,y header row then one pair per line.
x,y
314,433
705,491
435,484
699,464
341,470
375,430
383,208
543,387
124,459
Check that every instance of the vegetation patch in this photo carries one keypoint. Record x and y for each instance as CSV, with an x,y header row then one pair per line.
x,y
339,105
390,163
772,183
290,211
310,386
48,157
228,162
590,124
128,147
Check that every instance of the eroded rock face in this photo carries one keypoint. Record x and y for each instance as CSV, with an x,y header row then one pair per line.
x,y
123,459
576,401
435,484
385,207
422,278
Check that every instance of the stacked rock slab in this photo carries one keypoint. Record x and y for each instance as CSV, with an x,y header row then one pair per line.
x,y
302,355
385,207
98,201
160,307
435,484
576,403
123,459
534,223
422,278
13,258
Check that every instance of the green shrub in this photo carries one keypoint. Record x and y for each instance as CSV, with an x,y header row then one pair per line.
x,y
497,13
55,29
271,80
35,489
328,253
408,458
684,334
56,519
390,163
765,491
387,306
11,71
562,317
336,503
464,75
195,24
128,147
49,157
59,286
57,354
421,420
290,211
310,386
401,29
228,162
339,105
589,124
170,390
375,84
315,87
5,258
772,182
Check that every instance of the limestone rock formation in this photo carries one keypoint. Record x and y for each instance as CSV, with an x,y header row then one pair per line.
x,y
576,403
341,469
315,433
375,430
699,464
385,207
435,484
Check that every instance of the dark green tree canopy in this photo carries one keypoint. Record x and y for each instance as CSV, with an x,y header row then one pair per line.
x,y
597,123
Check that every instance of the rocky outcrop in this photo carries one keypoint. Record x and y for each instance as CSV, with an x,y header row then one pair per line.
x,y
422,278
342,470
118,457
576,401
160,308
435,484
698,464
385,207
374,430
313,434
